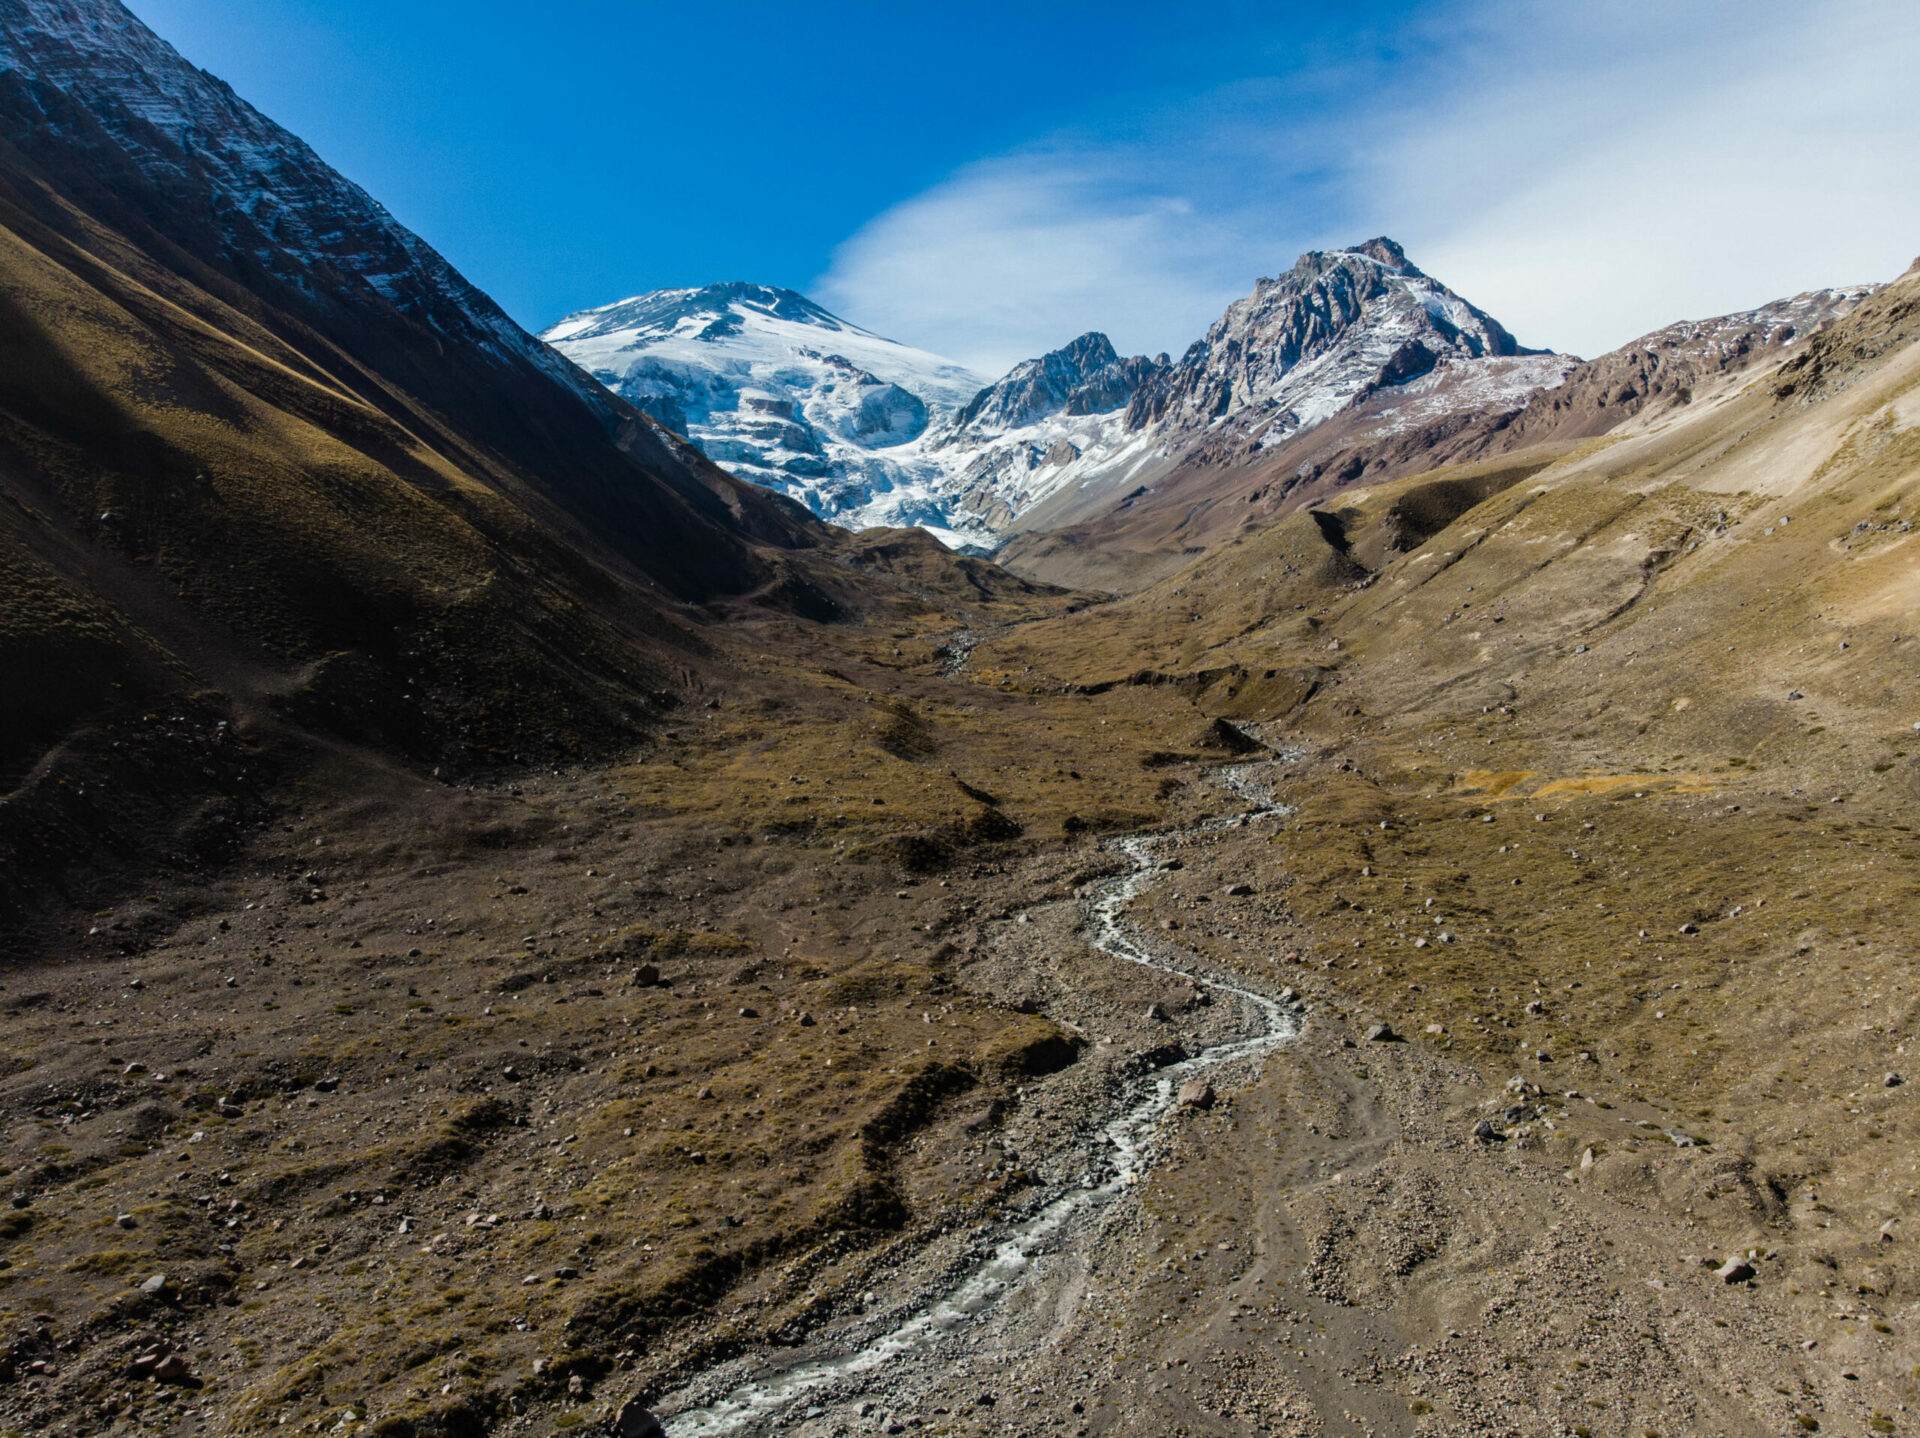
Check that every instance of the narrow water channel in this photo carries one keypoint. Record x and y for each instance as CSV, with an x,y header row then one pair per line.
x,y
1123,1147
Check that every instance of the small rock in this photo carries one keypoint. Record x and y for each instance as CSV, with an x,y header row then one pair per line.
x,y
985,1400
1382,1034
171,1369
510,1073
576,1386
646,976
806,1020
155,1284
1735,1270
749,1013
704,1093
1156,1013
566,1272
1886,1230
1520,1113
1893,1080
1238,891
1586,1159
1485,1131
136,1067
125,1220
227,1108
1534,1009
1689,927
326,1085
1196,1093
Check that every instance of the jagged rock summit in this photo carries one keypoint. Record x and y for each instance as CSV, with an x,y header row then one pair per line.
x,y
1339,325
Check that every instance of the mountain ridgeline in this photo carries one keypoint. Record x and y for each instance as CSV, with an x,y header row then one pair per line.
x,y
1073,466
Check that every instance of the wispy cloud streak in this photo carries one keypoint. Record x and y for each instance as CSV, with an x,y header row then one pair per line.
x,y
1585,173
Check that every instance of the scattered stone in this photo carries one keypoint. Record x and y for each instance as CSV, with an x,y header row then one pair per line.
x,y
171,1369
566,1272
1886,1230
1534,1009
326,1085
1485,1131
805,1020
510,1074
1238,891
136,1067
646,976
155,1284
1196,1093
1689,927
1735,1270
1382,1034
1156,1014
1586,1159
576,1386
125,1220
1894,1080
227,1108
747,1013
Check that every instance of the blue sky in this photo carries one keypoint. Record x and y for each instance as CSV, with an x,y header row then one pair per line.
x,y
987,180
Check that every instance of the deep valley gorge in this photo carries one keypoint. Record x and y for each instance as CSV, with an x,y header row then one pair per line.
x,y
674,879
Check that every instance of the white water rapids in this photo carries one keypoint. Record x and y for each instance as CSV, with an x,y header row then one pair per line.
x,y
1122,1142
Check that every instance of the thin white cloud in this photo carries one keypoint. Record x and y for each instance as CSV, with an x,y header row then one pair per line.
x,y
1584,173
1020,254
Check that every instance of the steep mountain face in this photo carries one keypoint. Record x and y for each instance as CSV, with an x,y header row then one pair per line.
x,y
1339,324
781,392
106,116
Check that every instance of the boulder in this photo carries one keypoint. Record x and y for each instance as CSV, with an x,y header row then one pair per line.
x,y
634,1421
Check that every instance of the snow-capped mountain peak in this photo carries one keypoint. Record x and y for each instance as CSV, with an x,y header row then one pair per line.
x,y
865,430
